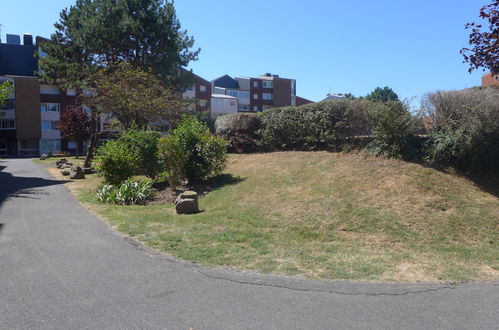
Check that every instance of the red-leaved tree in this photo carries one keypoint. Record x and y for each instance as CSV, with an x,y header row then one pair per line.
x,y
484,51
75,125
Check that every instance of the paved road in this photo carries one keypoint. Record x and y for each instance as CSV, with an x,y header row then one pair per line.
x,y
62,268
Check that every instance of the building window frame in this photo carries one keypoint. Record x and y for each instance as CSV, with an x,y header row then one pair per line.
x,y
267,96
267,84
50,107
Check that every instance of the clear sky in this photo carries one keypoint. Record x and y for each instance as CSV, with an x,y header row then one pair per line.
x,y
333,46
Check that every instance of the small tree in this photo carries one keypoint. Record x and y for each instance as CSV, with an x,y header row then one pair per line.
x,y
75,125
484,52
384,94
134,97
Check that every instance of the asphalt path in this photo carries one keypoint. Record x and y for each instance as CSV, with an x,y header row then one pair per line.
x,y
63,268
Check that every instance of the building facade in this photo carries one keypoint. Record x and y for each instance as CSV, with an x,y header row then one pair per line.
x,y
198,91
257,94
29,123
489,81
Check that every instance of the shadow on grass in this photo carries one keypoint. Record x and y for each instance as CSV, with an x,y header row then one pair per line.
x,y
166,194
486,182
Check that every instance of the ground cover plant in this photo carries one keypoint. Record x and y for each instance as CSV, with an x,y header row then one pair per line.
x,y
327,215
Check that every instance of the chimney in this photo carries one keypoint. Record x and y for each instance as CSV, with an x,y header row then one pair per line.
x,y
28,39
13,39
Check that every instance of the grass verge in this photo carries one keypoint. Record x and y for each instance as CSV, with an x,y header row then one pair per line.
x,y
326,215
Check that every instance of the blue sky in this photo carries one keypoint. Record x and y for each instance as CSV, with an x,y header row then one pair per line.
x,y
326,45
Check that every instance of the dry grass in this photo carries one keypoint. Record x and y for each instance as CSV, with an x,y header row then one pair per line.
x,y
328,215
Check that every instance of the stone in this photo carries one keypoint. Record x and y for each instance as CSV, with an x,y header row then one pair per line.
x,y
189,195
44,156
61,162
187,206
76,173
65,171
88,170
187,203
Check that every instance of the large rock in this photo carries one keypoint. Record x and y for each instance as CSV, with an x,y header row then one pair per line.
x,y
187,203
67,165
76,173
65,171
61,162
44,156
88,170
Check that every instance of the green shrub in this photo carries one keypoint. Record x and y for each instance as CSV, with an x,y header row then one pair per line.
x,y
393,129
465,130
191,153
241,130
144,144
127,193
316,126
116,162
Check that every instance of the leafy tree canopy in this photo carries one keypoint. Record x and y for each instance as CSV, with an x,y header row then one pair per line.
x,y
484,51
134,97
6,90
384,94
96,33
75,125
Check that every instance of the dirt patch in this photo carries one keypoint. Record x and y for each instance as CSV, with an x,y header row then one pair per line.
x,y
165,194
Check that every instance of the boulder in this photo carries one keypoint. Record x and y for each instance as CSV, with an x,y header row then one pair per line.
x,y
76,173
187,203
44,156
88,170
65,171
67,165
61,162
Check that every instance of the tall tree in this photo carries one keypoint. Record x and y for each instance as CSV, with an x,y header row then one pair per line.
x,y
94,34
384,94
484,51
75,125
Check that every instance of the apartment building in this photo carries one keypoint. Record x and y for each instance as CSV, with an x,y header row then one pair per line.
x,y
257,94
198,91
29,123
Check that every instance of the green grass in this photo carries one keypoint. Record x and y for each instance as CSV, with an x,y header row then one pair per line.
x,y
330,216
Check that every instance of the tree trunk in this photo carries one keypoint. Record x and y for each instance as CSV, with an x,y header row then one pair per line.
x,y
93,140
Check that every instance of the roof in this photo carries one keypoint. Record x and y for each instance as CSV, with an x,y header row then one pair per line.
x,y
17,60
330,97
226,81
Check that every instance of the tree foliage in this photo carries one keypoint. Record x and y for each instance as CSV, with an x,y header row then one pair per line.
x,y
484,51
75,125
384,94
6,90
134,97
96,33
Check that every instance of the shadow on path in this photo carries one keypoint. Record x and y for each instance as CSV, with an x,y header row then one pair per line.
x,y
21,187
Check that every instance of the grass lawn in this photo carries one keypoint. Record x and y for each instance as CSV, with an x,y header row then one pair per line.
x,y
326,215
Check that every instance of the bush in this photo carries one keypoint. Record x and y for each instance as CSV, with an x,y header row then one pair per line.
x,y
316,126
465,130
144,145
393,129
116,162
241,130
127,193
191,153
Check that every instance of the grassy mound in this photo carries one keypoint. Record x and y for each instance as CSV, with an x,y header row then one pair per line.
x,y
331,216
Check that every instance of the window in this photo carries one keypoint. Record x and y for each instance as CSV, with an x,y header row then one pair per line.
x,y
50,107
267,96
232,93
7,124
51,145
255,108
255,96
50,125
267,107
267,84
243,107
190,88
203,103
202,88
255,84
